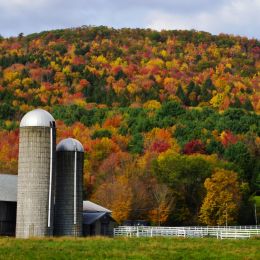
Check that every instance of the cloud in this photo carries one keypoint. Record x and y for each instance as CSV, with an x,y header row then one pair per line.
x,y
235,17
229,16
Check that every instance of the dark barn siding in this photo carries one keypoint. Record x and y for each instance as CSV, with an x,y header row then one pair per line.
x,y
7,218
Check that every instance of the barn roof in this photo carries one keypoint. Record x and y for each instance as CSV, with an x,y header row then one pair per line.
x,y
91,217
89,206
8,187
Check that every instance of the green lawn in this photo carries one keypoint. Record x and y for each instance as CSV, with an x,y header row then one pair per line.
x,y
128,248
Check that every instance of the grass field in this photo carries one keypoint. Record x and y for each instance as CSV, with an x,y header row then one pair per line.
x,y
128,248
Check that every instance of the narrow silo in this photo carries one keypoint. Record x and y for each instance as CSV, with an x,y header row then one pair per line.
x,y
36,175
69,182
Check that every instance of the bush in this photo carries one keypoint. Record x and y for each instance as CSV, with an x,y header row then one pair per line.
x,y
101,133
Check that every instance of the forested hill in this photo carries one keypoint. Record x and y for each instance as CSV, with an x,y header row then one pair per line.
x,y
166,118
129,67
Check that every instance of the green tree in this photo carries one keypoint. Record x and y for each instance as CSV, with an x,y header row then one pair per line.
x,y
180,93
185,175
101,133
170,109
239,154
136,145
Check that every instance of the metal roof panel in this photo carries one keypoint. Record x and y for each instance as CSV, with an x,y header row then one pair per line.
x,y
8,187
93,207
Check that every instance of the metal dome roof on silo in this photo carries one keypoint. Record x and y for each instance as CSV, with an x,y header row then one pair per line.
x,y
70,145
37,117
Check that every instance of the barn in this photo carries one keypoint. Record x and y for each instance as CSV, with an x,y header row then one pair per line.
x,y
8,198
97,220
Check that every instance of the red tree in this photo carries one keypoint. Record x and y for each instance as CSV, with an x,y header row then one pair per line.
x,y
194,146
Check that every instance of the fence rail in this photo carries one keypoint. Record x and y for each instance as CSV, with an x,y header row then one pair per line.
x,y
220,232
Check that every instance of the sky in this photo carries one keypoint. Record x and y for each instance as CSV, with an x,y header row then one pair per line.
x,y
237,17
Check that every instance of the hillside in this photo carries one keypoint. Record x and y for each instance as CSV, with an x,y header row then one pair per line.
x,y
157,113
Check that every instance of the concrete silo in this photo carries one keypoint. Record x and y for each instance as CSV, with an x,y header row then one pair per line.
x,y
69,188
36,175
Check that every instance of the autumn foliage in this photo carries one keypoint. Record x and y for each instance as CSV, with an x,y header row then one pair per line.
x,y
223,198
194,146
158,113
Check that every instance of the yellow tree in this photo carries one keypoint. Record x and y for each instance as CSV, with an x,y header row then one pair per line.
x,y
117,196
221,204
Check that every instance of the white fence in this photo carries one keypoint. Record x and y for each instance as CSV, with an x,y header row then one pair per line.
x,y
220,232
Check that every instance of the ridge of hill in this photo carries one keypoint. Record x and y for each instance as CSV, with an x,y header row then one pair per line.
x,y
129,67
